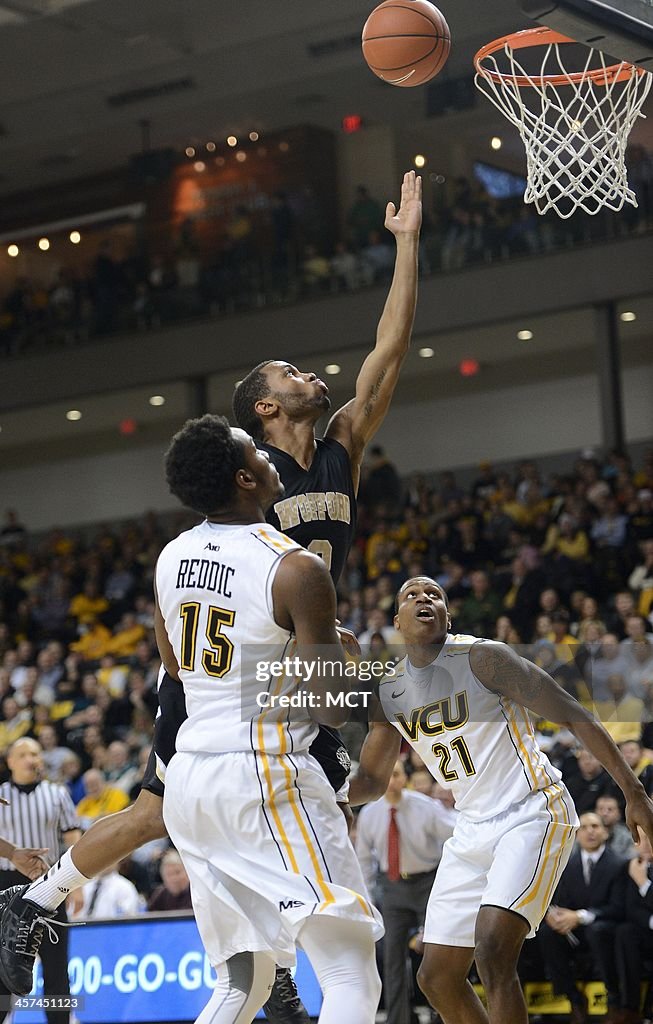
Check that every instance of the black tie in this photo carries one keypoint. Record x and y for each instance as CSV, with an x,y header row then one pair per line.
x,y
94,896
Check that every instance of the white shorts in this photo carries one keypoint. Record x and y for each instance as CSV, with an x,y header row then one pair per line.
x,y
513,860
265,846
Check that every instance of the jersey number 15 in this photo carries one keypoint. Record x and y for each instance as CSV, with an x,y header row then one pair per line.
x,y
217,657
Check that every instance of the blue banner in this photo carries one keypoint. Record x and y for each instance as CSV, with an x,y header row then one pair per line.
x,y
151,969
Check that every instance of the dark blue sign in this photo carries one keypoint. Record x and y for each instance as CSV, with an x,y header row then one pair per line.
x,y
146,970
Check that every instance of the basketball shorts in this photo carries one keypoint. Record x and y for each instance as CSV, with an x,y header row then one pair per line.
x,y
513,860
265,846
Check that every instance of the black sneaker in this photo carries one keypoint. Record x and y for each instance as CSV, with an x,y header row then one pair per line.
x,y
284,1005
21,931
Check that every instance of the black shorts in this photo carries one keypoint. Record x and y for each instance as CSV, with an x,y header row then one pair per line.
x,y
332,754
173,712
327,747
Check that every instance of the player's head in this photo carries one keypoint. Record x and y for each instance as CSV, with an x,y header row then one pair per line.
x,y
275,388
212,467
25,762
422,611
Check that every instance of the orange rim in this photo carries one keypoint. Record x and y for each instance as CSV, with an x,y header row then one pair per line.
x,y
543,36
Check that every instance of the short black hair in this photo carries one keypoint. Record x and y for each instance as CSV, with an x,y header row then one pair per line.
x,y
248,392
421,576
201,464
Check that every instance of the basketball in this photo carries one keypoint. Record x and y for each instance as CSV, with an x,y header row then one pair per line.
x,y
406,42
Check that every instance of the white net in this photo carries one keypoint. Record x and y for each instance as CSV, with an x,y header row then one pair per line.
x,y
574,125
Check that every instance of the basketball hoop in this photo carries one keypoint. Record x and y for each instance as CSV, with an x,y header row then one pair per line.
x,y
574,125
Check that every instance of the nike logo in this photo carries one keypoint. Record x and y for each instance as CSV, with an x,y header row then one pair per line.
x,y
395,695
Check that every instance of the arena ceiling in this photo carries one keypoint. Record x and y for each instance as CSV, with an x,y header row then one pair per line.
x,y
80,75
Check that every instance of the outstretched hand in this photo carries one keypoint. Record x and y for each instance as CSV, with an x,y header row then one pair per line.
x,y
408,218
639,815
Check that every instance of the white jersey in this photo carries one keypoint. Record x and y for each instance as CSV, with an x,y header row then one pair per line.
x,y
214,587
480,744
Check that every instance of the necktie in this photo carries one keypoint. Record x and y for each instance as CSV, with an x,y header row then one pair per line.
x,y
393,847
589,867
94,896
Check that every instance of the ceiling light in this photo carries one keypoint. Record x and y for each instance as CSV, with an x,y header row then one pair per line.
x,y
157,400
241,157
220,161
496,142
13,250
44,244
199,166
419,160
284,147
332,369
75,237
253,136
232,141
524,335
73,415
190,152
426,353
210,147
628,316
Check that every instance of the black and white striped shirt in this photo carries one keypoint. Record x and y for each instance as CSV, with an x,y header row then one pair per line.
x,y
36,818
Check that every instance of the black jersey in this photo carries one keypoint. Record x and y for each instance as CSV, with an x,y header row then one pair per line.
x,y
318,509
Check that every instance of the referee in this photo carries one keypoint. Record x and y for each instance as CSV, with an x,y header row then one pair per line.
x,y
38,825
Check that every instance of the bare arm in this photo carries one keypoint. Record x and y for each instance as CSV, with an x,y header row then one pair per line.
x,y
29,861
305,603
377,759
166,652
357,422
503,671
71,836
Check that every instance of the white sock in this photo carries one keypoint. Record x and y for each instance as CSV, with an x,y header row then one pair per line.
x,y
51,889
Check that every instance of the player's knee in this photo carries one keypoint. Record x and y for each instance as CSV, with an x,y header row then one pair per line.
x,y
435,982
494,964
147,817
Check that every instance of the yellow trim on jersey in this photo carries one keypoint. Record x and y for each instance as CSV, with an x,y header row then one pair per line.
x,y
364,904
556,793
292,800
283,545
531,735
268,778
512,721
569,828
290,791
275,814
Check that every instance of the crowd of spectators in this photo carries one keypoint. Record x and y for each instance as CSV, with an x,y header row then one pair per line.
x,y
560,566
279,254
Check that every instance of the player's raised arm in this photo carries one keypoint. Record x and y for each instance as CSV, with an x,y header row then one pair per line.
x,y
378,756
305,603
357,422
504,672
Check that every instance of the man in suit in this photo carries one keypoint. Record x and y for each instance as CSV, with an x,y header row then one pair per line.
x,y
587,903
634,936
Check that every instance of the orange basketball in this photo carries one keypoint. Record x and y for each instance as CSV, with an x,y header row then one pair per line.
x,y
406,42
